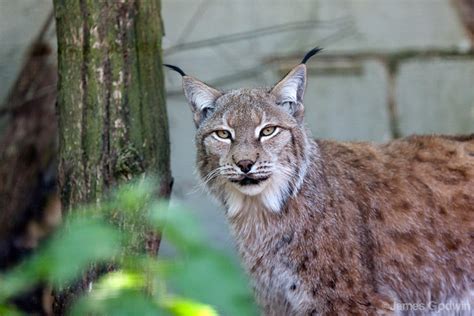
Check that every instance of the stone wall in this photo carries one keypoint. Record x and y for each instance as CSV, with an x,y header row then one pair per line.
x,y
389,68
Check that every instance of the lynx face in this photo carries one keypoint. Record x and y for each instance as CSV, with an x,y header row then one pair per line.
x,y
252,144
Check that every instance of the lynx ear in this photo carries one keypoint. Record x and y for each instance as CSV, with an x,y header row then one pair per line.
x,y
200,96
289,91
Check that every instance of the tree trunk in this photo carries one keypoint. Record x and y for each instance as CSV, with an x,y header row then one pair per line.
x,y
111,103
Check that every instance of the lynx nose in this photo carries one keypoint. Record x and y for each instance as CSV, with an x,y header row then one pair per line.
x,y
245,165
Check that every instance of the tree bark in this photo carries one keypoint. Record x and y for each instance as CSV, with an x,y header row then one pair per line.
x,y
111,104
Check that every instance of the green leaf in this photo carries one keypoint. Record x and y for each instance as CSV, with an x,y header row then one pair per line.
x,y
180,227
69,252
118,293
83,242
214,279
187,307
123,303
205,275
8,310
204,280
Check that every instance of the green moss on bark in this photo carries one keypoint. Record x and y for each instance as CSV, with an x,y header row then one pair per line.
x,y
112,115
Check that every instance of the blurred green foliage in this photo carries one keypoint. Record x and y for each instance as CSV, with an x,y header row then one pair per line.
x,y
198,281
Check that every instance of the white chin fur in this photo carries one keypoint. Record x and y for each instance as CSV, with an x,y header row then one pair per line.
x,y
251,189
270,194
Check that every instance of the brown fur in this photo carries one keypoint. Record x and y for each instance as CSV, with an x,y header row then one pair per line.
x,y
337,228
393,223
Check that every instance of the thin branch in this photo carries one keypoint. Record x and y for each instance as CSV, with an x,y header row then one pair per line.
x,y
254,71
44,29
193,20
38,47
16,107
287,27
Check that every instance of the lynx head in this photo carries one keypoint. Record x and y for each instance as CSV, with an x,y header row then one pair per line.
x,y
252,145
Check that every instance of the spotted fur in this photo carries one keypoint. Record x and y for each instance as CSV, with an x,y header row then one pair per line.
x,y
337,228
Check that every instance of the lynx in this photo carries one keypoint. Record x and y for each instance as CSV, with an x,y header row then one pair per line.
x,y
336,228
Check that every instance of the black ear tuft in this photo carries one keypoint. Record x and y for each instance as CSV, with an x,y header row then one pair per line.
x,y
310,54
176,68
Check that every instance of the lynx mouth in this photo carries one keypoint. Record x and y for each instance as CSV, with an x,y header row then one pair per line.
x,y
245,181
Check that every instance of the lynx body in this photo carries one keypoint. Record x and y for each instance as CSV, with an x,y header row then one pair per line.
x,y
327,227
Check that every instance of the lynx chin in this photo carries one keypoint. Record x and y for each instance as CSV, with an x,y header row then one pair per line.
x,y
336,228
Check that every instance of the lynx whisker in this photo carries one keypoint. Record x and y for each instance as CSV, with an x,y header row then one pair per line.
x,y
214,173
201,185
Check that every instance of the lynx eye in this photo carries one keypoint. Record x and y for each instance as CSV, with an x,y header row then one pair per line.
x,y
223,134
267,131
